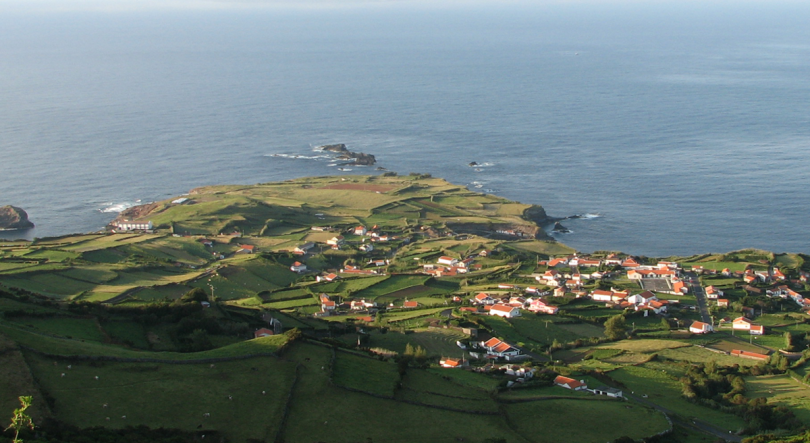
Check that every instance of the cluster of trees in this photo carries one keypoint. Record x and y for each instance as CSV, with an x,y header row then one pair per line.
x,y
724,388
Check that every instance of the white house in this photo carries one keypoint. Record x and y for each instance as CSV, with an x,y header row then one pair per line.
x,y
699,327
504,311
360,230
570,383
298,267
335,241
133,226
449,261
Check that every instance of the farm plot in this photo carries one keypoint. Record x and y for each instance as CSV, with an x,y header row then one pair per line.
x,y
544,330
436,342
607,420
664,389
52,285
365,374
173,396
391,284
52,255
76,328
781,390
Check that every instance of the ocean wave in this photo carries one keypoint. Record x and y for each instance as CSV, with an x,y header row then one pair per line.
x,y
116,207
299,156
589,216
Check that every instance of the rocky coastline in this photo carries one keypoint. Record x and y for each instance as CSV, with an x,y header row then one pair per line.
x,y
13,218
352,158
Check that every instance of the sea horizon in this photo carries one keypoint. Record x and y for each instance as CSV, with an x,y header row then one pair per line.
x,y
678,130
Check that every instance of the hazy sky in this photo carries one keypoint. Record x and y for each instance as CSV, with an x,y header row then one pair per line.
x,y
156,5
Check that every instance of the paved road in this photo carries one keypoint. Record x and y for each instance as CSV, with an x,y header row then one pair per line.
x,y
700,296
694,423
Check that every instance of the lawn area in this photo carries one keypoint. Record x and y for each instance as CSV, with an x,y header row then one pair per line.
x,y
50,284
781,390
550,420
664,390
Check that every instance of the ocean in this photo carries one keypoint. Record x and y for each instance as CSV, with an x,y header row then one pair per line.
x,y
675,129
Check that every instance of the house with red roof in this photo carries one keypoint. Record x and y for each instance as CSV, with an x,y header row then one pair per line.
x,y
712,293
410,304
722,302
298,267
328,277
497,348
505,311
451,362
449,261
246,249
262,332
699,327
360,230
483,299
540,307
570,383
741,324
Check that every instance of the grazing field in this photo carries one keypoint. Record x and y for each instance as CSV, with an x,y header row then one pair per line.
x,y
71,347
172,396
408,314
606,420
391,284
645,345
544,330
781,390
664,389
77,328
437,342
365,374
699,355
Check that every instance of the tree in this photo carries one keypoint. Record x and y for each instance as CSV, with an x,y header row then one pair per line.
x,y
788,341
20,420
665,324
615,328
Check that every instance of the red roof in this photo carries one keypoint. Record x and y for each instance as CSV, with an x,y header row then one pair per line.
x,y
247,247
482,296
491,342
410,304
502,308
573,384
298,263
263,332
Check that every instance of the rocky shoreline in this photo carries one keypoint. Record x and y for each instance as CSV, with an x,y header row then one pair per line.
x,y
353,158
13,218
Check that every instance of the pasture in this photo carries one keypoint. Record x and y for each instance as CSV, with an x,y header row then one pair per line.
x,y
437,342
664,389
606,420
781,390
172,396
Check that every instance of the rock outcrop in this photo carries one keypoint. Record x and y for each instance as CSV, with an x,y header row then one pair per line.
x,y
13,218
353,158
558,227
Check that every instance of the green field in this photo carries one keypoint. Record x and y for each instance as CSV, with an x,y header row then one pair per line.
x,y
781,390
663,389
606,420
437,342
391,284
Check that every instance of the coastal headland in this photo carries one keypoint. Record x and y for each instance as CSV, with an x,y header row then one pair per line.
x,y
319,308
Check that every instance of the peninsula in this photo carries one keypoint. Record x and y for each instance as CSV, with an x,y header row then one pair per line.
x,y
321,308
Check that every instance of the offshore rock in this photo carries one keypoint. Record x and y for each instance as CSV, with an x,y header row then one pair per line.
x,y
353,158
13,218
